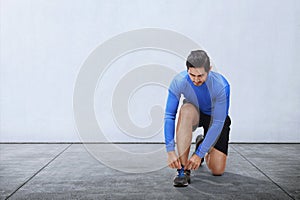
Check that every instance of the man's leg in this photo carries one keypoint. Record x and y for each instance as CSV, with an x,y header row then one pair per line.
x,y
217,156
216,161
188,117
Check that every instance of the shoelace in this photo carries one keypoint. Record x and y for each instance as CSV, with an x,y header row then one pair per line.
x,y
180,172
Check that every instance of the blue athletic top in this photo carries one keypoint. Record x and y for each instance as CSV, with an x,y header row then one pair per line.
x,y
212,98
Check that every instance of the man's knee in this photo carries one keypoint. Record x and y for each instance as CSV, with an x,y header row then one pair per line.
x,y
217,170
216,162
187,111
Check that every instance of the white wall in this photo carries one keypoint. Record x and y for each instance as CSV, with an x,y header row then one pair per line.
x,y
255,44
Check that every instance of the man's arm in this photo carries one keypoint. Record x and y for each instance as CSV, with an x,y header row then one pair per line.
x,y
170,116
219,115
169,126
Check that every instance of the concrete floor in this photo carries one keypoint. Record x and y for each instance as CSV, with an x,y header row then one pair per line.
x,y
68,171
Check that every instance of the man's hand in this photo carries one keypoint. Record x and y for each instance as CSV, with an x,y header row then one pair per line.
x,y
173,161
193,163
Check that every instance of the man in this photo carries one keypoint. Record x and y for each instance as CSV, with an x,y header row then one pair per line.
x,y
206,104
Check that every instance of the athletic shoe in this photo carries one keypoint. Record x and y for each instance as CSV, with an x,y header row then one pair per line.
x,y
188,175
199,140
181,179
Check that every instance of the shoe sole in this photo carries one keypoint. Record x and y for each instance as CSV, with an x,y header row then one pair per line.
x,y
180,185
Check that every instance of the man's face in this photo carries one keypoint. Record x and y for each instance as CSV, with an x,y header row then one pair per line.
x,y
197,75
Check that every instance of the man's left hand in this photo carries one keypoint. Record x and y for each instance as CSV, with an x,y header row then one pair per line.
x,y
193,163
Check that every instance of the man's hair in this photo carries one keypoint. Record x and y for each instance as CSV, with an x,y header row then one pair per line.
x,y
197,59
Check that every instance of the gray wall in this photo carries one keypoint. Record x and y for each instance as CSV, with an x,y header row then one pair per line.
x,y
255,44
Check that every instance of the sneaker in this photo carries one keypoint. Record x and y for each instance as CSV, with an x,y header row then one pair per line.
x,y
199,140
181,180
187,173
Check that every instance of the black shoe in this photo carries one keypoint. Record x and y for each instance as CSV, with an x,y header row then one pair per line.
x,y
199,140
187,173
181,180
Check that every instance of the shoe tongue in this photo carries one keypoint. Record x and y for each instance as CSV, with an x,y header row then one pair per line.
x,y
180,172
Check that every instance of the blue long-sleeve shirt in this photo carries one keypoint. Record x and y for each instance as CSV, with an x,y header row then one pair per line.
x,y
212,98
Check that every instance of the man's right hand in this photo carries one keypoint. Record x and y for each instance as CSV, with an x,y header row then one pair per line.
x,y
173,160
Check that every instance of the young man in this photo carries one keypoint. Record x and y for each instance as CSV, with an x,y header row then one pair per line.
x,y
206,104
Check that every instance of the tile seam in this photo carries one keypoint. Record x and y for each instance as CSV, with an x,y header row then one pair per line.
x,y
36,173
244,157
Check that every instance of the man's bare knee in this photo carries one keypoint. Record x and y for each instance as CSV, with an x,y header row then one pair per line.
x,y
216,162
188,112
217,171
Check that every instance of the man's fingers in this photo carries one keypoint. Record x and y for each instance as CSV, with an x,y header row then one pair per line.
x,y
194,166
188,166
178,164
171,165
173,160
175,164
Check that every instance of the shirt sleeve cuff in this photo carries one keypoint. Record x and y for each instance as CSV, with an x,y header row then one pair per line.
x,y
199,153
170,146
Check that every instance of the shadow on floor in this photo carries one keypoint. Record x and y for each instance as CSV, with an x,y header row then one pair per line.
x,y
231,186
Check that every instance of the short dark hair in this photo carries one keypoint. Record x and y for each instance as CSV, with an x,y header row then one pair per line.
x,y
197,59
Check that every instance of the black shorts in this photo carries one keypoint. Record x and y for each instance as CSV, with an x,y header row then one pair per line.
x,y
205,122
222,142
